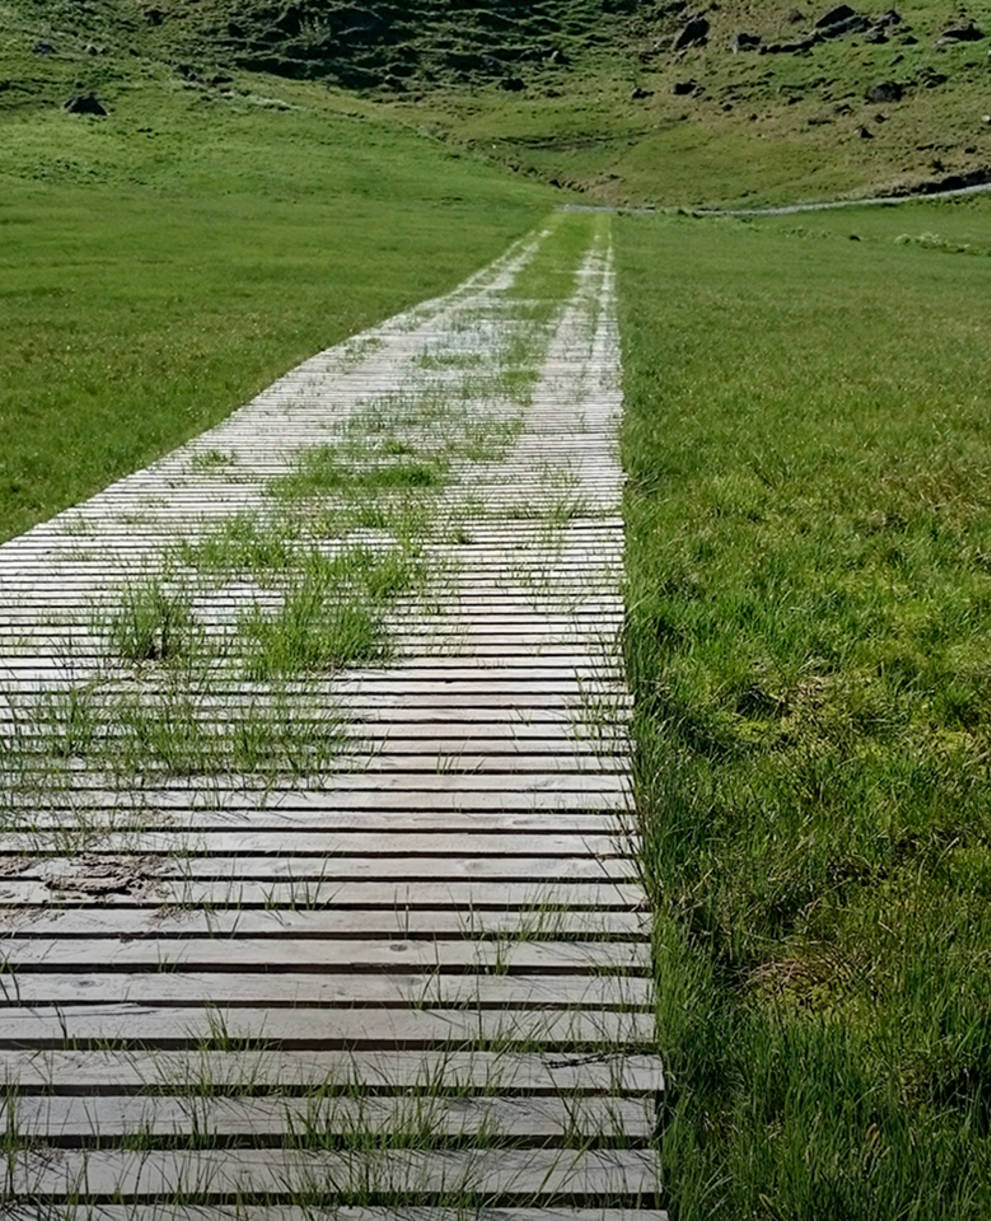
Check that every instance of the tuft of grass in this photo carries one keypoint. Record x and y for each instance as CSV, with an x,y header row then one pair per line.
x,y
152,623
319,627
178,732
212,460
326,470
242,543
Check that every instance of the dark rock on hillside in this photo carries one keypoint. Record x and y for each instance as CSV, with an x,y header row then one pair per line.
x,y
842,12
841,20
512,84
962,33
932,79
694,34
43,48
865,134
639,94
154,16
745,42
84,103
886,91
789,48
683,88
952,182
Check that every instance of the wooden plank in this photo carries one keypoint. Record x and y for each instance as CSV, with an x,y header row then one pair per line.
x,y
267,1121
140,890
126,924
325,990
287,951
348,954
392,843
93,1073
286,813
321,1029
250,795
536,869
490,1174
513,767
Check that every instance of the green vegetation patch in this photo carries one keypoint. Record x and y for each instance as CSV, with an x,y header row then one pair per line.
x,y
809,626
326,469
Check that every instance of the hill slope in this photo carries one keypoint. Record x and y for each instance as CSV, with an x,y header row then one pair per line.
x,y
623,100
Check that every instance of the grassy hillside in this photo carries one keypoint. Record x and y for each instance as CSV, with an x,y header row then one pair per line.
x,y
377,45
594,95
159,268
706,125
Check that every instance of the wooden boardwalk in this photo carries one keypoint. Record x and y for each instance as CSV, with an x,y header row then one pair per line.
x,y
415,983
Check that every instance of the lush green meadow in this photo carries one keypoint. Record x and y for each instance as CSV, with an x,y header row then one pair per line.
x,y
809,568
160,266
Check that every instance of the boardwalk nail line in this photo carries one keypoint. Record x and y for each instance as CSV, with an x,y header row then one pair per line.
x,y
584,341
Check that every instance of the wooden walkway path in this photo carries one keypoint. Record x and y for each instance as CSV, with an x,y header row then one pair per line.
x,y
418,979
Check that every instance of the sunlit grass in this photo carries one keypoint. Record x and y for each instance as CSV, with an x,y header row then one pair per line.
x,y
807,636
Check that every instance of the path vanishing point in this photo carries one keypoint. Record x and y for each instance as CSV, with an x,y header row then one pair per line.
x,y
286,935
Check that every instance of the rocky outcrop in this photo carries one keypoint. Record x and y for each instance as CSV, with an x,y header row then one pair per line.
x,y
886,91
960,33
840,22
84,103
695,33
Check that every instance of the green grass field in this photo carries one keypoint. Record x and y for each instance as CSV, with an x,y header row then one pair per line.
x,y
809,589
159,269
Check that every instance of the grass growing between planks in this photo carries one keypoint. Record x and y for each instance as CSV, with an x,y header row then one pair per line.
x,y
809,532
161,265
321,574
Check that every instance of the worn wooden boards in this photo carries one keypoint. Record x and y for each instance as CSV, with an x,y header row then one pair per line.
x,y
416,984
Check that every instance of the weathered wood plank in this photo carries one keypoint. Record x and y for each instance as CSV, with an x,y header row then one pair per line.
x,y
285,951
281,812
251,794
319,1029
536,869
93,1073
130,924
142,889
497,1174
265,1121
327,844
181,989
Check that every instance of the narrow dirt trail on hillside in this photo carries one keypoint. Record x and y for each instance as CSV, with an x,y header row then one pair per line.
x,y
318,880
